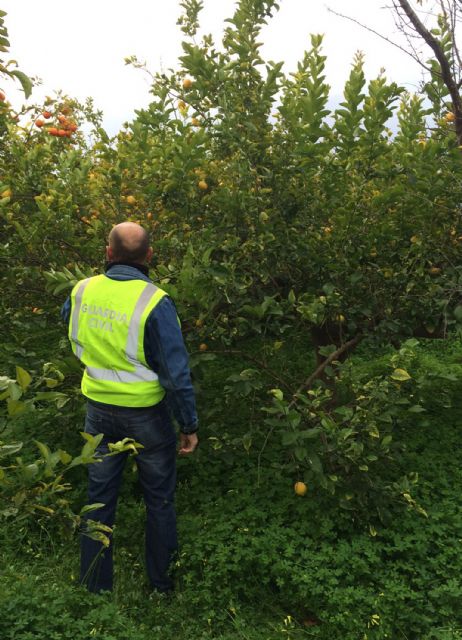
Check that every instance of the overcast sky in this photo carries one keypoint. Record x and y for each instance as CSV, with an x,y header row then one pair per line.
x,y
80,47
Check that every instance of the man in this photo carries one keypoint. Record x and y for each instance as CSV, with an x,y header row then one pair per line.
x,y
126,332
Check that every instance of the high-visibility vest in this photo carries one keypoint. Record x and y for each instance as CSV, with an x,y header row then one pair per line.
x,y
106,330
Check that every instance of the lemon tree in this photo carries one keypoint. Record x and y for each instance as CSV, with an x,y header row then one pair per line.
x,y
274,215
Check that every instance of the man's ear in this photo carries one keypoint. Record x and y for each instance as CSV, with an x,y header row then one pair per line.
x,y
109,254
149,254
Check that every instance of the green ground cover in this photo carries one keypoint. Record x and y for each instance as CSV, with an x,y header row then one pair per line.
x,y
257,561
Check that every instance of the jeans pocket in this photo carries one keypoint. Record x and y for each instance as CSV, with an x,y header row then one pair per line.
x,y
152,428
94,421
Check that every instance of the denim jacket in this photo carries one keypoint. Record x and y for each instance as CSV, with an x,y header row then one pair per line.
x,y
164,350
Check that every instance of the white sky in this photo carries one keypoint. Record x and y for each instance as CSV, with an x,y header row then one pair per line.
x,y
80,47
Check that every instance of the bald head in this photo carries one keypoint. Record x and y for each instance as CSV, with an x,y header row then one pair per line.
x,y
128,242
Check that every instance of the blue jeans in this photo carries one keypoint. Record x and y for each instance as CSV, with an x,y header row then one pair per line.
x,y
156,464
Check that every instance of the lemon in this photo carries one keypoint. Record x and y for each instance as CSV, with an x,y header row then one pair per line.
x,y
300,488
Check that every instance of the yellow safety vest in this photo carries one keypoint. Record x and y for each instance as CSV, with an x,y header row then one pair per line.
x,y
106,330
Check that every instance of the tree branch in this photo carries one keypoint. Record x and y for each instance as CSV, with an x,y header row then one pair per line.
x,y
380,35
444,63
317,372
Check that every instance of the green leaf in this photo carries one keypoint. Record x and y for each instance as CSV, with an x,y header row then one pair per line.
x,y
247,441
123,446
300,453
10,449
458,313
91,507
98,536
327,350
14,390
289,437
44,450
86,436
411,343
78,460
345,412
52,396
25,81
16,407
23,378
310,434
386,441
4,382
401,375
277,393
416,408
30,471
64,456
316,463
89,448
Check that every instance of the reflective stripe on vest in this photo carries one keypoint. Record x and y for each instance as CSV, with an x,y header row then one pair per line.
x,y
141,374
75,318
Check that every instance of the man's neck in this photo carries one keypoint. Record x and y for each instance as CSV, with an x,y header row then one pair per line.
x,y
141,267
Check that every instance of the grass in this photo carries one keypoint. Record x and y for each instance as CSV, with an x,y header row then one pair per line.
x,y
256,561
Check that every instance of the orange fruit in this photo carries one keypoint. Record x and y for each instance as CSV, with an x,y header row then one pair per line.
x,y
131,200
203,185
300,488
187,83
203,347
53,131
39,122
2,96
47,115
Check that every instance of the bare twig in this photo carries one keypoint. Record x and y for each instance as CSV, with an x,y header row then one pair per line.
x,y
260,453
380,35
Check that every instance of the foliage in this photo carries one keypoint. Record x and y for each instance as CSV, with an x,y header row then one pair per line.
x,y
36,489
274,215
8,68
288,232
258,561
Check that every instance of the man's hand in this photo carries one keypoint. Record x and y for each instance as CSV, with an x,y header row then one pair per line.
x,y
188,442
